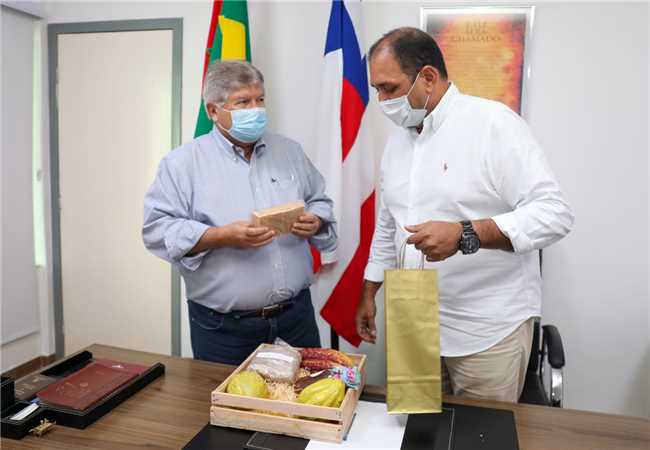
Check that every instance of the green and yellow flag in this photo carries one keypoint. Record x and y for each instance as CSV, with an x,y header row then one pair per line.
x,y
229,38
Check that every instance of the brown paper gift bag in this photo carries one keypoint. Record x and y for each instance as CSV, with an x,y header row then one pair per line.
x,y
413,382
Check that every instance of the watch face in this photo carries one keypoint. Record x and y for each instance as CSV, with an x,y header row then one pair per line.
x,y
470,244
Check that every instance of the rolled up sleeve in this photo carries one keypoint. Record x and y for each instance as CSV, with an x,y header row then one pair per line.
x,y
540,214
168,231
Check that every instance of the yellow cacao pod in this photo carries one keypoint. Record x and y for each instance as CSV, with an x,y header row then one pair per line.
x,y
327,392
248,383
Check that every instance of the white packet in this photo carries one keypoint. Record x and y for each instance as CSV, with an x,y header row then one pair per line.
x,y
277,363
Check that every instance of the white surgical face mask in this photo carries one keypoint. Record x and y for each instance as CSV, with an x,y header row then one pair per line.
x,y
400,111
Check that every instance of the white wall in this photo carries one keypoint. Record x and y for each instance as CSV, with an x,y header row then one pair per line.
x,y
42,341
587,105
594,127
18,290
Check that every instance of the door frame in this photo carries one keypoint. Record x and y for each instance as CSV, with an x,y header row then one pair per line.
x,y
53,32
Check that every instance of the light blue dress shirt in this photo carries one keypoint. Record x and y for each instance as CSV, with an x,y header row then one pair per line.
x,y
208,182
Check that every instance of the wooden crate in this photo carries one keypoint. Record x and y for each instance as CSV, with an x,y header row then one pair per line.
x,y
308,421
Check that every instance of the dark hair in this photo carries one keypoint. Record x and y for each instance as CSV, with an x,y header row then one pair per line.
x,y
413,49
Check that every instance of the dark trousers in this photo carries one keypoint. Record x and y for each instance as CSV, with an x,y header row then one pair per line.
x,y
226,339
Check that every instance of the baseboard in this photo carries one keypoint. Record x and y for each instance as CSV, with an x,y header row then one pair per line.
x,y
29,367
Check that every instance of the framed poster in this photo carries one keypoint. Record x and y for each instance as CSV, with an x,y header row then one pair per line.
x,y
484,49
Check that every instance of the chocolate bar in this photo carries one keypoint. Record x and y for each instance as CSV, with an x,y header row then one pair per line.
x,y
279,218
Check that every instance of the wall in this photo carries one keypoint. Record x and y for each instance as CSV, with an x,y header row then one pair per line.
x,y
588,107
40,342
594,127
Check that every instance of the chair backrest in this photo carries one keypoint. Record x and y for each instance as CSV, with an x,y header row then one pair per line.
x,y
536,350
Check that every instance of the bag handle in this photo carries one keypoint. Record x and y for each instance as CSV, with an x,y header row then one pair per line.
x,y
402,257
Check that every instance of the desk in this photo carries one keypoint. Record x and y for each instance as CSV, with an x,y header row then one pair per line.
x,y
170,411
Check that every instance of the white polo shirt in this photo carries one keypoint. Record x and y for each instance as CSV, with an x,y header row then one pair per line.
x,y
474,159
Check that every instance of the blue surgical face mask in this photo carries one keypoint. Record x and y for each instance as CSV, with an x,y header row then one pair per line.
x,y
248,125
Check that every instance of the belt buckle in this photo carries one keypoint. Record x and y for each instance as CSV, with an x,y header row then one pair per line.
x,y
269,311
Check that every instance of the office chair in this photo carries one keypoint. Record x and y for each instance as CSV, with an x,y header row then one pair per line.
x,y
551,353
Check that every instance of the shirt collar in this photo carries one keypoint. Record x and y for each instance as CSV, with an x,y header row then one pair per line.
x,y
230,147
433,121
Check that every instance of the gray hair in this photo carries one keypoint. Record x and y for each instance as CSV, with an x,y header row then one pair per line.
x,y
223,77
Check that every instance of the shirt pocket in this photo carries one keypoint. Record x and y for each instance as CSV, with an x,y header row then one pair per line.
x,y
285,189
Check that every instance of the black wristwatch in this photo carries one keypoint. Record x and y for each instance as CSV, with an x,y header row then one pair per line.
x,y
469,242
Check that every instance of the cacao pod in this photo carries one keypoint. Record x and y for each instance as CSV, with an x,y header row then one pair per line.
x,y
328,392
248,383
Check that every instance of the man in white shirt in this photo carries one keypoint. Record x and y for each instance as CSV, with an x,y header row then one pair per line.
x,y
464,182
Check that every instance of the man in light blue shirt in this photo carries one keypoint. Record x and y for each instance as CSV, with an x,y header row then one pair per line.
x,y
245,285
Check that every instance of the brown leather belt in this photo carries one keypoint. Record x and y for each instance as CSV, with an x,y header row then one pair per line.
x,y
265,313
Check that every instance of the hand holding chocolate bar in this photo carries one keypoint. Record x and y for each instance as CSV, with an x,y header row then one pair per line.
x,y
245,235
280,218
306,226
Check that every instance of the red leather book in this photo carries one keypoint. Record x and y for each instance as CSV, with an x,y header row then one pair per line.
x,y
137,369
85,387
